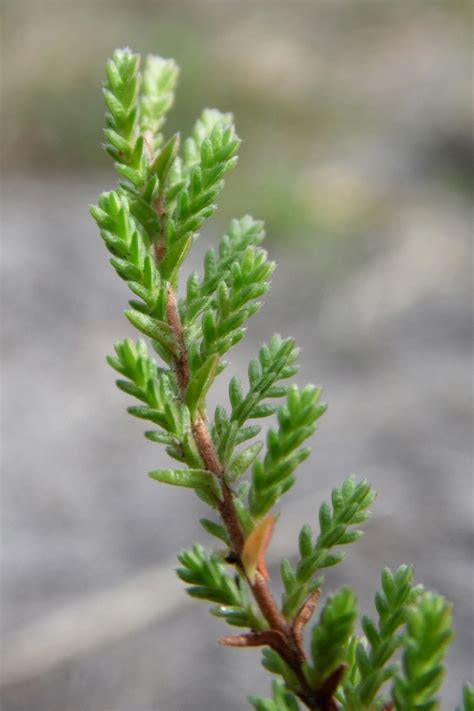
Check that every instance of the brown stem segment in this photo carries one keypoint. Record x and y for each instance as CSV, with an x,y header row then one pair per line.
x,y
212,464
268,605
159,246
181,362
303,616
264,638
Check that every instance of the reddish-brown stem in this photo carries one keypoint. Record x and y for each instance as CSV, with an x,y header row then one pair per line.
x,y
267,638
212,463
303,616
268,605
159,246
181,364
326,693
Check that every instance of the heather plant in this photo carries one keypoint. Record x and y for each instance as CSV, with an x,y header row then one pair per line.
x,y
167,189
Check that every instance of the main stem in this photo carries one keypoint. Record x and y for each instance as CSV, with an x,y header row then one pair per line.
x,y
291,648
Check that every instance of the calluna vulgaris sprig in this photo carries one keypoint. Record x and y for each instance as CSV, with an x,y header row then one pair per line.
x,y
149,223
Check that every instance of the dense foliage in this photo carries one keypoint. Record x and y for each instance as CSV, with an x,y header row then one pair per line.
x,y
148,224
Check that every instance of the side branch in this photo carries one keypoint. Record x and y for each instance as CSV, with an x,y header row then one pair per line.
x,y
304,615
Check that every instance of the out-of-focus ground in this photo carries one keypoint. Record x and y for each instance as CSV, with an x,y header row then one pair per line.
x,y
357,152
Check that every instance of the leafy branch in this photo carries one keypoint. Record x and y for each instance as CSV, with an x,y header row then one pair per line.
x,y
429,631
370,668
349,508
167,188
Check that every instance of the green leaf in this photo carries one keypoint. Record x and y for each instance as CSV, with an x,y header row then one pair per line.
x,y
159,437
175,255
288,575
200,383
214,529
189,478
305,541
235,392
245,433
165,158
154,328
242,461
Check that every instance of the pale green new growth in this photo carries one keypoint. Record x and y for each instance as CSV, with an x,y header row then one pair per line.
x,y
167,189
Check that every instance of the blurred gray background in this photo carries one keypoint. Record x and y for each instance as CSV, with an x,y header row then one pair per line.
x,y
357,152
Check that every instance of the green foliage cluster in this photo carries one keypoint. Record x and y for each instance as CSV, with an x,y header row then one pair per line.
x,y
429,631
349,507
167,188
208,580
